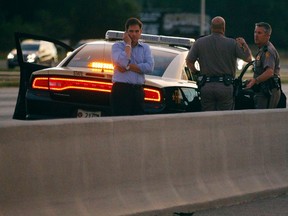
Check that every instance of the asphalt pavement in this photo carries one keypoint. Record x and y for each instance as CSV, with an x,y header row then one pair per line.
x,y
275,206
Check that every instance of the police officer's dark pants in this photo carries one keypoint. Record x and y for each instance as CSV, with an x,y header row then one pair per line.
x,y
263,102
127,99
216,96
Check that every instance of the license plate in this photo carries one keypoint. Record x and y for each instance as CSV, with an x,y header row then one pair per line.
x,y
88,114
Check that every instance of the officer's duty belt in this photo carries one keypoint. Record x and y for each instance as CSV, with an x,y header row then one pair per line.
x,y
214,79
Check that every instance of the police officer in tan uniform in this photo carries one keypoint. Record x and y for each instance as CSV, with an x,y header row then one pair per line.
x,y
266,79
217,56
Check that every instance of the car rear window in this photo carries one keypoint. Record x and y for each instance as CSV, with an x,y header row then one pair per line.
x,y
162,60
102,53
91,53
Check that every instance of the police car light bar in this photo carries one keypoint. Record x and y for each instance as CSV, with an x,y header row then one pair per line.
x,y
170,40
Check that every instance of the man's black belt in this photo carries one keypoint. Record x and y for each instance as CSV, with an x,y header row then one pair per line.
x,y
129,85
214,79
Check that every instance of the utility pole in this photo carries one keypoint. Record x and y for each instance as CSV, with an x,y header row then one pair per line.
x,y
203,15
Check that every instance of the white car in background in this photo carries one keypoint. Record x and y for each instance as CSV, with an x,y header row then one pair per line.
x,y
34,51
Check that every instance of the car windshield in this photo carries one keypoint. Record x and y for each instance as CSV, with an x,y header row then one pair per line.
x,y
33,47
101,53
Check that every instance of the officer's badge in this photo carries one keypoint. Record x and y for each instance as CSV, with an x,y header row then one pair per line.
x,y
257,57
267,54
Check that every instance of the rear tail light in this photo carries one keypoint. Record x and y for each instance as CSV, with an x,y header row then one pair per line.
x,y
61,84
41,83
152,95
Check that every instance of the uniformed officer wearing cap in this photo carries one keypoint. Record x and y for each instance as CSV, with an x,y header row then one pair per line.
x,y
217,56
266,78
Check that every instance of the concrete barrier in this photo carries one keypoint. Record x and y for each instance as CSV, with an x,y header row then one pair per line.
x,y
142,165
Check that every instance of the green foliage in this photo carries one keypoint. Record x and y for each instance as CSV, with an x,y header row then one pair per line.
x,y
241,16
75,20
72,20
94,18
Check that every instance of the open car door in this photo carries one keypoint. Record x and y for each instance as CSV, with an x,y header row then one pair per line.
x,y
243,97
34,53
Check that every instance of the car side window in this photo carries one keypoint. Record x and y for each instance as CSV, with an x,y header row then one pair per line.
x,y
162,60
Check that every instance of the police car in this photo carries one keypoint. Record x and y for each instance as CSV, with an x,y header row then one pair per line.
x,y
80,85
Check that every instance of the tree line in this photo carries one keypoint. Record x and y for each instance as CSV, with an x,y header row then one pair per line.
x,y
75,20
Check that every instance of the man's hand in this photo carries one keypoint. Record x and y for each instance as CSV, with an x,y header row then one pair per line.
x,y
250,83
133,67
240,41
127,38
119,68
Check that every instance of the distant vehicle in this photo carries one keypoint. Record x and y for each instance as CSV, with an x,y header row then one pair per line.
x,y
12,60
34,51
